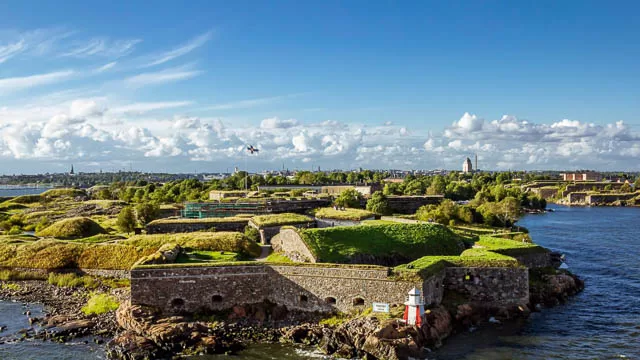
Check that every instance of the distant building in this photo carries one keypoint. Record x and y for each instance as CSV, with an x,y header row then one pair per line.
x,y
582,176
467,167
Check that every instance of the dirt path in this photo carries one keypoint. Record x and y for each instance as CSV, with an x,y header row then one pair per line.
x,y
266,250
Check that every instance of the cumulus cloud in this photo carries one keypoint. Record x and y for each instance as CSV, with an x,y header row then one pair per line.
x,y
91,130
275,123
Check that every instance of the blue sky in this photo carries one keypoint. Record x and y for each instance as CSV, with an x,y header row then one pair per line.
x,y
178,87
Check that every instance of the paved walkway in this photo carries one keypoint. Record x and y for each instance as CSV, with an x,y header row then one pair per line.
x,y
266,250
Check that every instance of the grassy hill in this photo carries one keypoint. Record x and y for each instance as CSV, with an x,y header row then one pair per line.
x,y
401,241
79,227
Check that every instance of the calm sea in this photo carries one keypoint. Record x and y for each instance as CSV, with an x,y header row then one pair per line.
x,y
603,322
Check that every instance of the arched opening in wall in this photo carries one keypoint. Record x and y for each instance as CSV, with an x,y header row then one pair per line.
x,y
330,300
358,301
303,298
177,303
216,298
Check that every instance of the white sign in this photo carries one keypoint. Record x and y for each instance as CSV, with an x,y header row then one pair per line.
x,y
380,307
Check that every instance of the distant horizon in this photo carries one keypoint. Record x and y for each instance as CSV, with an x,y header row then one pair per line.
x,y
173,88
321,170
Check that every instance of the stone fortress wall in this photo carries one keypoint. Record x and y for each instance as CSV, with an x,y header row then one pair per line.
x,y
319,287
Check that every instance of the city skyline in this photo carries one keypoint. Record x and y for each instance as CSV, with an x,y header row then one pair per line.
x,y
545,86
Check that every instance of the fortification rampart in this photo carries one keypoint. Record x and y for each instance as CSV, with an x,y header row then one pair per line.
x,y
589,186
490,286
190,225
315,288
268,232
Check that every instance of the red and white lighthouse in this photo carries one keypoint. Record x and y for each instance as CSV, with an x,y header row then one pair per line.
x,y
414,308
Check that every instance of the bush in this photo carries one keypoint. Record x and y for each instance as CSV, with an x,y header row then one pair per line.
x,y
72,228
100,304
252,233
15,230
13,275
147,212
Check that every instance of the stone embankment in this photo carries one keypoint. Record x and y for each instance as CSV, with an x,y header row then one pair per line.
x,y
148,335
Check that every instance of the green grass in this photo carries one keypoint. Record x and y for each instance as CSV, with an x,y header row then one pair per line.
x,y
278,257
80,227
65,192
346,214
208,241
280,219
206,256
72,280
231,219
100,238
341,244
15,275
100,304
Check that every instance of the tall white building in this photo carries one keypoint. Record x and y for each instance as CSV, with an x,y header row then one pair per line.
x,y
467,167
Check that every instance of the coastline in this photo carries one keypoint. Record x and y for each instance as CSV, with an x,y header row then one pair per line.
x,y
134,332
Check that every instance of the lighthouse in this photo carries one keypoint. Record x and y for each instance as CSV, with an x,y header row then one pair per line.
x,y
414,308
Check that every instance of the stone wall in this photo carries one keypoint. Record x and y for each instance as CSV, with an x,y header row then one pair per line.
x,y
296,206
161,227
410,204
535,260
304,288
588,186
433,289
289,242
490,286
605,199
577,198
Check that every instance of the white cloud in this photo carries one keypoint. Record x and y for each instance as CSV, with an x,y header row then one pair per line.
x,y
90,130
144,107
275,123
26,82
102,47
181,50
242,104
10,50
160,77
106,67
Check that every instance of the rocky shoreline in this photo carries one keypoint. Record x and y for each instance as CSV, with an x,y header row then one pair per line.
x,y
141,333
63,319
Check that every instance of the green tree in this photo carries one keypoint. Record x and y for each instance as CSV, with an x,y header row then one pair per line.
x,y
348,198
625,188
104,194
508,210
378,203
147,212
636,184
126,221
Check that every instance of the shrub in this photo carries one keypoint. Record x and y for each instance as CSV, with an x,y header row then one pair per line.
x,y
15,230
72,228
252,233
100,304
